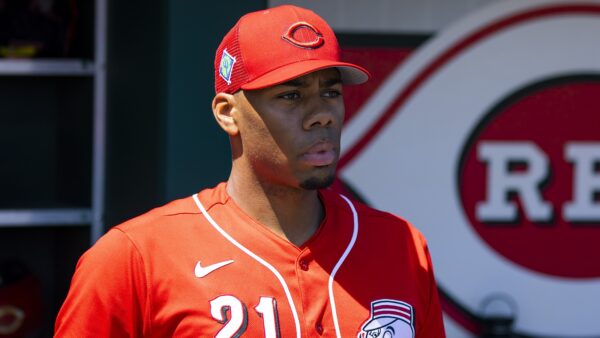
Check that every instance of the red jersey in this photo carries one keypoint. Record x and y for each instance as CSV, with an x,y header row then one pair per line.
x,y
201,267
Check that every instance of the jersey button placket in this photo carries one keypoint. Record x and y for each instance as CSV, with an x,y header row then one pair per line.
x,y
319,328
303,264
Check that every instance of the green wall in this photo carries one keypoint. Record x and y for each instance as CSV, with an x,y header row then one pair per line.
x,y
162,140
197,150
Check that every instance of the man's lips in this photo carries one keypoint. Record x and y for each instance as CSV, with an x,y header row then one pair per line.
x,y
320,154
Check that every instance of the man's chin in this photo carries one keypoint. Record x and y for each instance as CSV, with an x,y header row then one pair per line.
x,y
315,183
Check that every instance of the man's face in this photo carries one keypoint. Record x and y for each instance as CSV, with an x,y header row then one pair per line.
x,y
290,133
397,328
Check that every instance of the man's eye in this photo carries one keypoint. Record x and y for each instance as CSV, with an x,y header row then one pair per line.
x,y
290,96
333,93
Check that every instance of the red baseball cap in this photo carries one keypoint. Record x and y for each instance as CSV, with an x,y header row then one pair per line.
x,y
278,44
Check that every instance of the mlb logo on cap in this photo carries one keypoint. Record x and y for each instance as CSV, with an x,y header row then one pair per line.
x,y
226,66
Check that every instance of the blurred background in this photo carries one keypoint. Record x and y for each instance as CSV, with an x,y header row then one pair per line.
x,y
481,125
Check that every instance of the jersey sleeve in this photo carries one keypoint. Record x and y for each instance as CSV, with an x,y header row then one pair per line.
x,y
108,293
434,325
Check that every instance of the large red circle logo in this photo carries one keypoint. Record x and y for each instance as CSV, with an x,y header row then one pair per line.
x,y
529,178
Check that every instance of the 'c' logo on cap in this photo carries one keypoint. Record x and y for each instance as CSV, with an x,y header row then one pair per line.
x,y
315,43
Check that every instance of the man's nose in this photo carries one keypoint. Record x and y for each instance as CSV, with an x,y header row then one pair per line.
x,y
319,114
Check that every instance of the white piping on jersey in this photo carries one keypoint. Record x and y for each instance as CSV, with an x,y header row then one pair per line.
x,y
258,259
278,275
339,263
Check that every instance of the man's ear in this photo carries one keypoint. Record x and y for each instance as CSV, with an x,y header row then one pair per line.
x,y
223,106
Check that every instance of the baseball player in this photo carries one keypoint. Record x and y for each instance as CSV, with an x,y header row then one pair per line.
x,y
271,252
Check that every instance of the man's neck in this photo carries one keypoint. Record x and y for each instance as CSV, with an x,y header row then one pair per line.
x,y
291,213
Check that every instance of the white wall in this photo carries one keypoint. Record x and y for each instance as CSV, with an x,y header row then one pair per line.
x,y
389,16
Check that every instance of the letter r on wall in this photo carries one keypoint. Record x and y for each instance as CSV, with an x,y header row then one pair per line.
x,y
501,181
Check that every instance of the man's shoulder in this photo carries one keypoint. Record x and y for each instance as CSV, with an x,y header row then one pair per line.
x,y
176,213
383,219
164,213
372,218
342,201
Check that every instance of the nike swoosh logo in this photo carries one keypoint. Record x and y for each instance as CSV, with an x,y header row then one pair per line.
x,y
201,271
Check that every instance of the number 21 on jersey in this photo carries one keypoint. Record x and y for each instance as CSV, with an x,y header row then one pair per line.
x,y
232,313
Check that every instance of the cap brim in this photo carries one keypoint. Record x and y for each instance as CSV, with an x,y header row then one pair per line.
x,y
351,73
377,323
